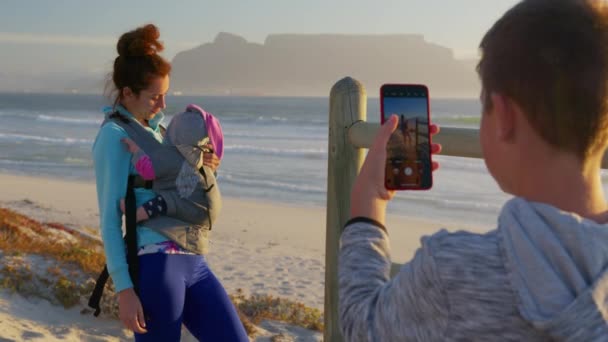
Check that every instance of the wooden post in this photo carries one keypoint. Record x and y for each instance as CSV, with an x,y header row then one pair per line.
x,y
347,105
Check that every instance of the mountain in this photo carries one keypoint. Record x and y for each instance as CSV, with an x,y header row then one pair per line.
x,y
309,65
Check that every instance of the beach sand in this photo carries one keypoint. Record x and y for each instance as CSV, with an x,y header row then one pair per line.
x,y
257,246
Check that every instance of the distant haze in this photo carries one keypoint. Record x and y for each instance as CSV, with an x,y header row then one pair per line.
x,y
286,65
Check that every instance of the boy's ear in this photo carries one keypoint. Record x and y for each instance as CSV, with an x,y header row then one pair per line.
x,y
505,110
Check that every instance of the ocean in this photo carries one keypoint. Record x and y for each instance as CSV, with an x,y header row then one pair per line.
x,y
275,150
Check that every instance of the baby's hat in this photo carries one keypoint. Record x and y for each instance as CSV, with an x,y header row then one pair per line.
x,y
214,129
190,130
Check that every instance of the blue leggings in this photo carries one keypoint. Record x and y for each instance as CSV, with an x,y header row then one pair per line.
x,y
178,288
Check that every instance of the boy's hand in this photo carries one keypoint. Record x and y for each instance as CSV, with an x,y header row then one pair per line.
x,y
369,196
131,145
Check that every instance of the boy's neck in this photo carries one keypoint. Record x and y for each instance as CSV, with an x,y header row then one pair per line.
x,y
566,183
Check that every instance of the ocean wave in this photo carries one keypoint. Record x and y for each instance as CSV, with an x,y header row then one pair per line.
x,y
41,164
273,120
69,120
462,203
460,163
274,135
461,119
78,161
309,152
24,137
270,185
16,114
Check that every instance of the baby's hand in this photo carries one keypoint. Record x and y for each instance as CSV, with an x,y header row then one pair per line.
x,y
131,145
208,148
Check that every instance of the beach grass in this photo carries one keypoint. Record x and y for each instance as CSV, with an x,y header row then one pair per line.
x,y
60,264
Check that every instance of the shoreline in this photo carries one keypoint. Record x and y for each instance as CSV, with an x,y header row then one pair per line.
x,y
258,223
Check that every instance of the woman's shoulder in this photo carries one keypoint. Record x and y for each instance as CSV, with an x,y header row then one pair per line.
x,y
110,129
110,132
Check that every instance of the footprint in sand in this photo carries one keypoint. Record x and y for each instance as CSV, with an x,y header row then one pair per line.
x,y
285,291
30,335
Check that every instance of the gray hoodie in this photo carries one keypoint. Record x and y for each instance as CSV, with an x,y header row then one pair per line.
x,y
540,276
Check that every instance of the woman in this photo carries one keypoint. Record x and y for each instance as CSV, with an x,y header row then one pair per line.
x,y
175,285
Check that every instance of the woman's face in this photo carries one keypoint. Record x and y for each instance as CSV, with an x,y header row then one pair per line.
x,y
145,105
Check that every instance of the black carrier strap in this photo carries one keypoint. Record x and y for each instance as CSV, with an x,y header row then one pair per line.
x,y
95,298
117,115
130,241
130,238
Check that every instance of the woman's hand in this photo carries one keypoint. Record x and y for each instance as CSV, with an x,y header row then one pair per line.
x,y
210,159
130,311
131,145
369,196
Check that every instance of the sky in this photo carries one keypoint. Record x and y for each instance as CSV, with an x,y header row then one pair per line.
x,y
40,37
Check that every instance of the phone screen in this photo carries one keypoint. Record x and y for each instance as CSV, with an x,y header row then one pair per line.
x,y
408,162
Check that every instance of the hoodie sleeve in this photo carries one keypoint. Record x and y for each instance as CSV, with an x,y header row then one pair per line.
x,y
412,306
112,163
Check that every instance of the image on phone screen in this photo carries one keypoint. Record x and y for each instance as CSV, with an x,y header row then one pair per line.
x,y
408,162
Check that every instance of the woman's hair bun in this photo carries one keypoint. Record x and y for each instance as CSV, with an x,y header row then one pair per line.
x,y
142,41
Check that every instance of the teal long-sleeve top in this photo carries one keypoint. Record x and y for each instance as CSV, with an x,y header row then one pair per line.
x,y
113,165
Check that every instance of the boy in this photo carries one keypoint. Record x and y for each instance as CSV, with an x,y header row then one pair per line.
x,y
541,275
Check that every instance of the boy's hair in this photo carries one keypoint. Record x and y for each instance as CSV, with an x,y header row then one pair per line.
x,y
551,58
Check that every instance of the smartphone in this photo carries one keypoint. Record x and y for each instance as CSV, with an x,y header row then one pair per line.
x,y
408,163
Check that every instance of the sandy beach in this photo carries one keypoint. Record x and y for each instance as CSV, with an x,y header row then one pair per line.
x,y
257,246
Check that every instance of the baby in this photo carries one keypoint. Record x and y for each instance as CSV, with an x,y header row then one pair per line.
x,y
196,198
